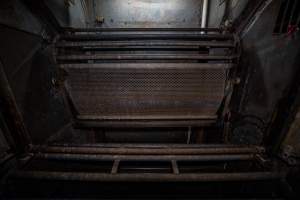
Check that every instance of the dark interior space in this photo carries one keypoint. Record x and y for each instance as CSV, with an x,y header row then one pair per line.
x,y
149,99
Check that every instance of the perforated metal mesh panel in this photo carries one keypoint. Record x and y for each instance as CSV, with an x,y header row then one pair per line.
x,y
146,91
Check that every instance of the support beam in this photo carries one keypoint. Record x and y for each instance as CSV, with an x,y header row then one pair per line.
x,y
163,150
175,167
147,177
115,167
204,13
106,157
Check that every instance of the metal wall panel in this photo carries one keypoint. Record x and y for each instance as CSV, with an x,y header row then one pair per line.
x,y
149,13
146,91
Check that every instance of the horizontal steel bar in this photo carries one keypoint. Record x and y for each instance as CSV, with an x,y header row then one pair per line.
x,y
147,177
141,29
85,157
187,66
144,57
160,145
142,123
136,48
143,35
147,151
148,117
162,43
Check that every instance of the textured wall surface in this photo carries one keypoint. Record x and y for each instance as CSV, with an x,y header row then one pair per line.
x,y
13,13
31,71
269,59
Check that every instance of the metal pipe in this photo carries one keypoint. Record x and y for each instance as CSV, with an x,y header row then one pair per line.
x,y
142,123
260,149
204,14
144,57
146,151
141,29
123,44
147,177
88,157
151,66
143,35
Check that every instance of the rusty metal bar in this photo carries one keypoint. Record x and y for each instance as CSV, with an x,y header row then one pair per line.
x,y
175,167
141,29
149,117
12,114
137,145
115,167
143,123
162,43
145,35
139,48
147,177
105,157
147,151
119,66
145,57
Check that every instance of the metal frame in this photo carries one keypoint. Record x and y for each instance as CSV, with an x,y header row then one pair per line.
x,y
156,153
116,154
79,47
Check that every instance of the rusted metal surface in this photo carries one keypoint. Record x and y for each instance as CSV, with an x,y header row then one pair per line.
x,y
163,150
81,123
152,145
150,13
143,44
146,177
99,29
71,58
146,91
145,35
148,66
143,76
89,157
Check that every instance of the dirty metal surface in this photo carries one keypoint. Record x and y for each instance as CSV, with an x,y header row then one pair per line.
x,y
146,74
149,13
146,91
160,163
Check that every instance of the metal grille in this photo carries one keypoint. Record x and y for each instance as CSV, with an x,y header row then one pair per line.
x,y
146,74
146,91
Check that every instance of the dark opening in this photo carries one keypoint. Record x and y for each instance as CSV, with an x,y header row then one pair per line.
x,y
288,16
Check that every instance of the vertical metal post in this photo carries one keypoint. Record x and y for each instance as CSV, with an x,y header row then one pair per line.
x,y
189,135
204,13
115,167
175,167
